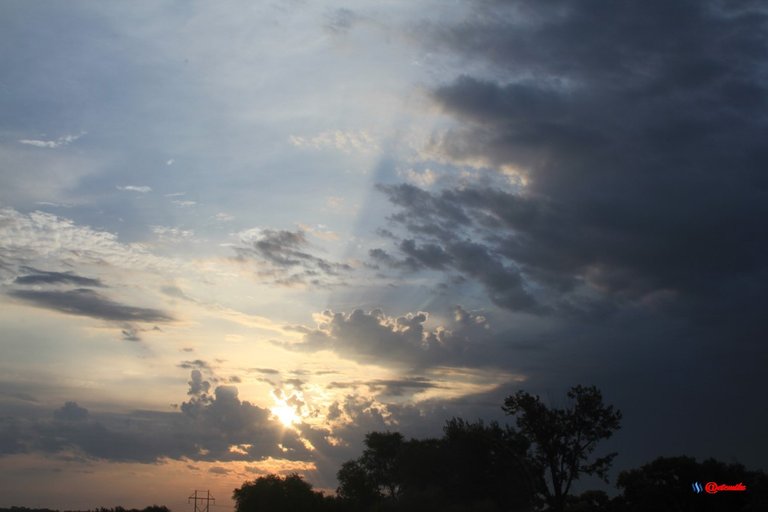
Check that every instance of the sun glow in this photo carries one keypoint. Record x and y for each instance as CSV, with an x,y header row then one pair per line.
x,y
285,414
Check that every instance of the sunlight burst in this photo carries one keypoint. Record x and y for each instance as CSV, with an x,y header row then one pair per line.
x,y
285,413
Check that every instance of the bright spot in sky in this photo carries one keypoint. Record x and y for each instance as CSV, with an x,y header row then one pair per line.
x,y
285,413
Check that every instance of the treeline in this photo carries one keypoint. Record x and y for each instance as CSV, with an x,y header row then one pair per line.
x,y
487,467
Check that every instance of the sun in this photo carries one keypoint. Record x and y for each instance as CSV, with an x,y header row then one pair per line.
x,y
285,413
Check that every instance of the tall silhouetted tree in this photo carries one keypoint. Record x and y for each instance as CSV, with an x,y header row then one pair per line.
x,y
380,459
563,439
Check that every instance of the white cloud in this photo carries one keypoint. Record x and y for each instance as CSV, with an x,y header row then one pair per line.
x,y
51,144
174,235
135,188
345,141
25,238
184,204
425,178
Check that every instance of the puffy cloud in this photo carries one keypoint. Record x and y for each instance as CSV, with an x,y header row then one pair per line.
x,y
197,386
216,427
374,337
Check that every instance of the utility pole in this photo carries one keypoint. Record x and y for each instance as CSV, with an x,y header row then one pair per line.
x,y
199,507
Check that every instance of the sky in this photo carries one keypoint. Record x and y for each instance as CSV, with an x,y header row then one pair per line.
x,y
237,236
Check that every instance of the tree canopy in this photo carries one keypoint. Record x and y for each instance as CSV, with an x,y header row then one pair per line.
x,y
278,494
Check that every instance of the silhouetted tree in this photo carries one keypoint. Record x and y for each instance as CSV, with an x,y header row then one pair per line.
x,y
381,461
357,487
474,466
276,494
488,462
564,439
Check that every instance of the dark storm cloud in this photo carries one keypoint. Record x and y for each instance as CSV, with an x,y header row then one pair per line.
x,y
639,128
285,256
35,276
85,302
634,133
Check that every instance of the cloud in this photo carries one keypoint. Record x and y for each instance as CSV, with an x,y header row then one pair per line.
x,y
135,188
197,386
86,302
29,237
52,144
184,204
71,412
634,225
389,387
216,427
340,21
268,371
344,141
36,277
285,255
196,364
130,333
620,139
375,338
172,235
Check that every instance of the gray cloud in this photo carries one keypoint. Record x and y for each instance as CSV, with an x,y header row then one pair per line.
x,y
267,371
206,427
71,412
86,302
130,333
197,386
623,140
285,256
389,387
374,337
35,276
633,218
195,364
